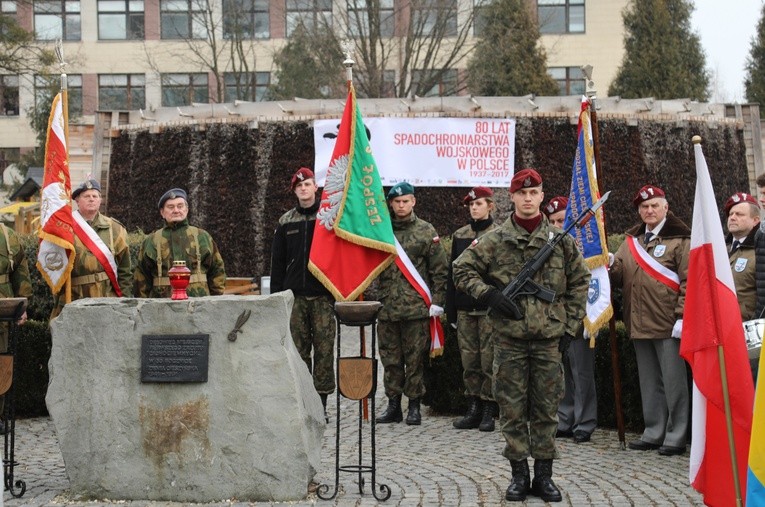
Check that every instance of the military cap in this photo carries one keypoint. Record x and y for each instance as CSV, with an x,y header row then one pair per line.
x,y
477,193
738,198
301,175
401,189
525,178
173,193
555,205
646,193
89,184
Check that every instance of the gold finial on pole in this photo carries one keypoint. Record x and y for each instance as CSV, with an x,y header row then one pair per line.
x,y
347,46
696,139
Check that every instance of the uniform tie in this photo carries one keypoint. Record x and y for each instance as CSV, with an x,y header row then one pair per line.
x,y
735,245
648,236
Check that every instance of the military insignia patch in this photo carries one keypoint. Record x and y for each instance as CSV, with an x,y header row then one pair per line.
x,y
659,250
593,291
740,265
436,239
473,243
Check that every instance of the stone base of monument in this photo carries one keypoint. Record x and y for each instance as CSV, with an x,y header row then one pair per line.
x,y
136,420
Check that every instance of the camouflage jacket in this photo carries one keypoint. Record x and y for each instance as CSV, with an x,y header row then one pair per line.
x,y
14,269
497,258
89,279
421,242
184,242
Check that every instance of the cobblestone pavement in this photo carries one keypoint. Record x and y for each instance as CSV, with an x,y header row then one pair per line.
x,y
427,465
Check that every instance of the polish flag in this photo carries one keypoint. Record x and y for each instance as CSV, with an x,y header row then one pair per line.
x,y
713,344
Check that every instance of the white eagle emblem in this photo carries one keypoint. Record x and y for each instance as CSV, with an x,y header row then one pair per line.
x,y
334,190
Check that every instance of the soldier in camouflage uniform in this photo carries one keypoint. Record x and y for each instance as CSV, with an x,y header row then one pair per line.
x,y
528,373
403,322
469,317
312,323
89,278
178,241
14,282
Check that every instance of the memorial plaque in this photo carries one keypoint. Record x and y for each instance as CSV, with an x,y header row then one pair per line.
x,y
174,357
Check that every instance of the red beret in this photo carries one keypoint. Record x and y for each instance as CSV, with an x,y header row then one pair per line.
x,y
738,198
477,193
302,174
525,178
555,205
646,193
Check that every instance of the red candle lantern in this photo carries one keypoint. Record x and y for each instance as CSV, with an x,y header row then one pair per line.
x,y
179,276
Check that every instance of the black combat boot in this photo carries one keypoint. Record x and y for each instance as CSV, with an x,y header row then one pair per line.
x,y
324,404
490,411
472,417
392,412
413,417
543,485
520,485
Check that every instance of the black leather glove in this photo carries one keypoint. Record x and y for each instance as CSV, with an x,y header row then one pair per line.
x,y
564,342
497,301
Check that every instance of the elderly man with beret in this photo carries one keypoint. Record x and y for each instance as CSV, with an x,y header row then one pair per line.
x,y
578,410
528,380
312,322
102,266
178,241
469,317
404,321
651,267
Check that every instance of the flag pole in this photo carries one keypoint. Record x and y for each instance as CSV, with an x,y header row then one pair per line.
x,y
612,338
726,403
349,63
59,49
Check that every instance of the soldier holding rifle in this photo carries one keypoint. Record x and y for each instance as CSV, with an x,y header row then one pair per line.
x,y
533,327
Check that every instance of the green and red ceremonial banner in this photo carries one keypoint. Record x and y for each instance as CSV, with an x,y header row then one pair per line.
x,y
353,240
55,256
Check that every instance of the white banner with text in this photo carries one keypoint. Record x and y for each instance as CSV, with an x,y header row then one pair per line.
x,y
431,152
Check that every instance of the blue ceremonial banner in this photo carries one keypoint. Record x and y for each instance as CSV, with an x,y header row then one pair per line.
x,y
591,238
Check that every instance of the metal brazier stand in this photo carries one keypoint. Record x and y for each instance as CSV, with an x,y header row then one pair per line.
x,y
11,310
356,380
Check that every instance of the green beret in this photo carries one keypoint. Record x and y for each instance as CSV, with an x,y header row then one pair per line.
x,y
401,189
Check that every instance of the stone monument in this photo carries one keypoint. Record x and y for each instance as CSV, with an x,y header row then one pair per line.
x,y
249,427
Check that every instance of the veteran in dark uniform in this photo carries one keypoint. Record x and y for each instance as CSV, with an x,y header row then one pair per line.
x,y
178,241
14,283
469,317
312,323
528,373
90,278
403,323
651,267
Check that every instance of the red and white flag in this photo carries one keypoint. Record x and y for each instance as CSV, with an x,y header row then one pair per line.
x,y
55,256
712,328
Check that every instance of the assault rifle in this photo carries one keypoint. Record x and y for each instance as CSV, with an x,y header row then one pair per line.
x,y
523,284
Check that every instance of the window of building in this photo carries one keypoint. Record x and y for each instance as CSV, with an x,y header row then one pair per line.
x,y
121,92
480,16
560,16
240,86
47,86
246,19
358,17
8,6
309,13
120,19
443,86
57,19
9,91
9,156
434,17
184,89
182,19
570,80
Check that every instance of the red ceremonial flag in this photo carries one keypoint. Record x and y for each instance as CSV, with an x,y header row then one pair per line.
x,y
712,330
353,240
55,256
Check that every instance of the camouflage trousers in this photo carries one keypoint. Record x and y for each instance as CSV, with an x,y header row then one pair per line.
x,y
477,353
312,325
528,386
403,347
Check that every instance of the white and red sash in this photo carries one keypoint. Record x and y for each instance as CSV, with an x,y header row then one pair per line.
x,y
652,267
404,263
97,247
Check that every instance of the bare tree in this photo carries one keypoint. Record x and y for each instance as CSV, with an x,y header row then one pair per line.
x,y
19,52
